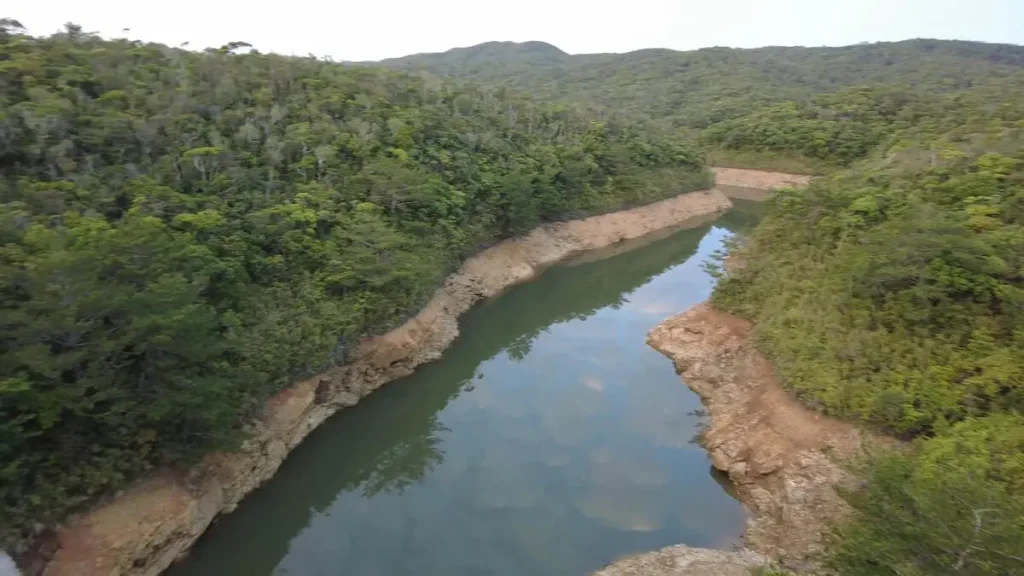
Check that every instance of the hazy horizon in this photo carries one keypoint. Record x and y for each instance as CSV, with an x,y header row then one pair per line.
x,y
685,49
367,31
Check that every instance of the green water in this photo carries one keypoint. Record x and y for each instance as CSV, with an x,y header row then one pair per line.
x,y
548,440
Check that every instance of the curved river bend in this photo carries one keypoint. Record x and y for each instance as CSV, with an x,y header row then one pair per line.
x,y
548,440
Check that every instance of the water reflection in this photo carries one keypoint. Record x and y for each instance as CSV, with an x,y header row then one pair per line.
x,y
548,440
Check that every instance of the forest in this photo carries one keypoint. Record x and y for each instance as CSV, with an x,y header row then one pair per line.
x,y
889,293
184,233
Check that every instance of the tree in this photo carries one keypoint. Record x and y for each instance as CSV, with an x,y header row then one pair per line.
x,y
184,234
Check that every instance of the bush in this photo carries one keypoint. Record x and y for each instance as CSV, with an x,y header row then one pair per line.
x,y
951,505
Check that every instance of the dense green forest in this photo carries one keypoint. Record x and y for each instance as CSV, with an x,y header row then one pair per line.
x,y
703,87
891,292
183,234
798,109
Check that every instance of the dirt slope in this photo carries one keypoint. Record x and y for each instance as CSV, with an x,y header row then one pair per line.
x,y
785,459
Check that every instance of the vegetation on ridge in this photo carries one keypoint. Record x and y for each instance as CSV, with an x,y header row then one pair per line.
x,y
183,234
893,293
801,109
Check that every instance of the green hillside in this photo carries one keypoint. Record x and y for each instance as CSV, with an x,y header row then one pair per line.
x,y
701,87
183,234
815,94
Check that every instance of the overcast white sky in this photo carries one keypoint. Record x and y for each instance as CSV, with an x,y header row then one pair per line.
x,y
375,29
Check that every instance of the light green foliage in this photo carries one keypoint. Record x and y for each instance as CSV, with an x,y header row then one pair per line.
x,y
894,298
893,293
951,505
835,128
183,234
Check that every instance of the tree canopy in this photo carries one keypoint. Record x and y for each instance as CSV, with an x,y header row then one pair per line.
x,y
788,108
182,234
892,293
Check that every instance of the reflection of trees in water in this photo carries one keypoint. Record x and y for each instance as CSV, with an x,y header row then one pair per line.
x,y
392,440
566,293
745,214
520,347
403,464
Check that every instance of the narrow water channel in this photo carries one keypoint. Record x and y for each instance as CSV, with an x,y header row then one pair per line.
x,y
548,440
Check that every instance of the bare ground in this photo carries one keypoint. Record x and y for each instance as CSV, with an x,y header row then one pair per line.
x,y
785,460
757,179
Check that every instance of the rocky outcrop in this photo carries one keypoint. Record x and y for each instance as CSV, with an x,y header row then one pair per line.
x,y
685,561
785,460
141,531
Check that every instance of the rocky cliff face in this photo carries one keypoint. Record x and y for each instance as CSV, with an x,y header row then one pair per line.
x,y
785,459
141,531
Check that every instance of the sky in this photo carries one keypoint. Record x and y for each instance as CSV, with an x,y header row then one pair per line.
x,y
376,29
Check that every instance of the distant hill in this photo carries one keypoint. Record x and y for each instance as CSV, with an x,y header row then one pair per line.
x,y
701,87
476,61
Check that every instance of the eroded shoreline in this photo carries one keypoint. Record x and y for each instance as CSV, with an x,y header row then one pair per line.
x,y
145,528
142,531
784,459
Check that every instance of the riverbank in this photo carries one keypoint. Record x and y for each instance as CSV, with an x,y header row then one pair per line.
x,y
141,531
784,459
754,184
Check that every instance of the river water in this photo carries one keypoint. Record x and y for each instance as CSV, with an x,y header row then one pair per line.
x,y
548,440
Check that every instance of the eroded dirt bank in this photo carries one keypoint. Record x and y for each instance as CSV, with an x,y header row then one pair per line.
x,y
754,184
784,458
141,531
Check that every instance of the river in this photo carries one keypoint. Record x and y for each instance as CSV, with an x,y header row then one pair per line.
x,y
548,440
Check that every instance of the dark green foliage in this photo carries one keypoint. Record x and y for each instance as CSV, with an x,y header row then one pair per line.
x,y
183,234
